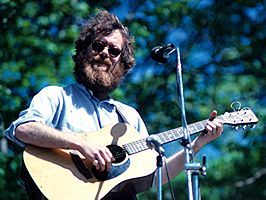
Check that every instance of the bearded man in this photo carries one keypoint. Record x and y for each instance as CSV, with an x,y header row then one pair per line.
x,y
104,55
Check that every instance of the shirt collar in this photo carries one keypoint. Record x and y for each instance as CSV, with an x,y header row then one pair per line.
x,y
108,100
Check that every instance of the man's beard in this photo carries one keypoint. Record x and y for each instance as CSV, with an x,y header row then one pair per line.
x,y
96,79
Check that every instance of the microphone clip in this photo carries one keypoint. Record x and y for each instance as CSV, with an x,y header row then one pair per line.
x,y
161,54
153,141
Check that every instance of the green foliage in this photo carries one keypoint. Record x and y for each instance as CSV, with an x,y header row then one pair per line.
x,y
222,45
9,173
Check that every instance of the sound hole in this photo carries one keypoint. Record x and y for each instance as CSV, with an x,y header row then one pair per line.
x,y
118,152
119,166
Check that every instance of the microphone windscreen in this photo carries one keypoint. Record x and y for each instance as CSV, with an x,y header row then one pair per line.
x,y
157,55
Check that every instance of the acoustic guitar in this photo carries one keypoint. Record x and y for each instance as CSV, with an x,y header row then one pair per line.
x,y
62,174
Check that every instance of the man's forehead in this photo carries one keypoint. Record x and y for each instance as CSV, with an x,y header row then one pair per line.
x,y
115,38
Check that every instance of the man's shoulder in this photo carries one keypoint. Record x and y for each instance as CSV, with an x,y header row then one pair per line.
x,y
125,107
51,88
55,89
53,93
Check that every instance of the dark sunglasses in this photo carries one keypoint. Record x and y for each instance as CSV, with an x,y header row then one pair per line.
x,y
98,46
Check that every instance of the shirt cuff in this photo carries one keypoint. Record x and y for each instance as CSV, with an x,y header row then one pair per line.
x,y
9,133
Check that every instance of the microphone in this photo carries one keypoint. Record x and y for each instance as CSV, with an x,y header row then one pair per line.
x,y
161,53
153,141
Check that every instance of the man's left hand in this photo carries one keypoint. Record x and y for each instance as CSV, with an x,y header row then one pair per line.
x,y
214,128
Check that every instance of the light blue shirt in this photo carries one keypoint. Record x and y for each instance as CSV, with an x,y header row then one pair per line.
x,y
74,109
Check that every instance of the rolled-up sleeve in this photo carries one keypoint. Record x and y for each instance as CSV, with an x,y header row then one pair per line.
x,y
42,109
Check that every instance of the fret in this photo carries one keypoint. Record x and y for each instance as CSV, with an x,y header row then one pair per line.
x,y
128,148
166,136
162,140
139,145
135,144
193,128
171,135
182,131
144,144
133,148
201,125
178,133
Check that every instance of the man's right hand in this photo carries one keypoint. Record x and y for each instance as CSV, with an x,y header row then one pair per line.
x,y
99,155
44,136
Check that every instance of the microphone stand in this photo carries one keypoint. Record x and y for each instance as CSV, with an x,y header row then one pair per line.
x,y
154,142
159,174
192,168
160,54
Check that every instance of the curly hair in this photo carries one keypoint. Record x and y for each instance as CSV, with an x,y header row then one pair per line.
x,y
102,25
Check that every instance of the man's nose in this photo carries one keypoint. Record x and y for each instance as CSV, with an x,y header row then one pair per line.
x,y
104,54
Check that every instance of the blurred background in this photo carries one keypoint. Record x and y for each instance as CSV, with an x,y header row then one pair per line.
x,y
223,55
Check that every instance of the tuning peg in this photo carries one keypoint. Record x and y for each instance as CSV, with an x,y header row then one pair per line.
x,y
252,126
236,128
236,106
244,127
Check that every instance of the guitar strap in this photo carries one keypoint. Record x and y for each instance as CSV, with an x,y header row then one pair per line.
x,y
121,117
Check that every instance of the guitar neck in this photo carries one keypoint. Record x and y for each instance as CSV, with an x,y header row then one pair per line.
x,y
167,136
177,133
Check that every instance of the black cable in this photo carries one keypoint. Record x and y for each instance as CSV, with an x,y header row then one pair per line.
x,y
168,178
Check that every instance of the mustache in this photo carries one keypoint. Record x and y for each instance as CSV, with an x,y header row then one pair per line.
x,y
98,59
103,62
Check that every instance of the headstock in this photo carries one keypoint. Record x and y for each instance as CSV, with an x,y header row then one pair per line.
x,y
244,116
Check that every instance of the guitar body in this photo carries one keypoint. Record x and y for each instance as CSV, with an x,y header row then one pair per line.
x,y
56,175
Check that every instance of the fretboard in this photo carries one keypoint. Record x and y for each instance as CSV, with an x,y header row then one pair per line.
x,y
166,137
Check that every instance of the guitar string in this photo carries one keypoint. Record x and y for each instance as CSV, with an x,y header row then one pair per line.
x,y
164,136
130,147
